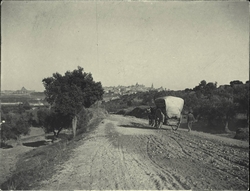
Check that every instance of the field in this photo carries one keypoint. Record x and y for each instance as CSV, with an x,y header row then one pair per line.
x,y
31,98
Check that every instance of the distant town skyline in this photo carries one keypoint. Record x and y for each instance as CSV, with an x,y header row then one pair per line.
x,y
105,87
172,44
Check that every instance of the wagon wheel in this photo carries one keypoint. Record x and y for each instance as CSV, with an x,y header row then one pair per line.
x,y
159,118
175,127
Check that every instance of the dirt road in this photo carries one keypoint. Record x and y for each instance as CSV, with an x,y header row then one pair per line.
x,y
124,153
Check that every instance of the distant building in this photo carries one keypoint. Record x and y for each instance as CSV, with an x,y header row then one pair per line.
x,y
23,91
113,91
160,89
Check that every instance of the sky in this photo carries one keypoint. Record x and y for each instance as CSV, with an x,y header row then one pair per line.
x,y
172,44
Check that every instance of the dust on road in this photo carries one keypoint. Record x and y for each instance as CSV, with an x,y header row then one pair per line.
x,y
124,153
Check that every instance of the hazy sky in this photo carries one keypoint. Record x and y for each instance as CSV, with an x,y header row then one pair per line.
x,y
170,44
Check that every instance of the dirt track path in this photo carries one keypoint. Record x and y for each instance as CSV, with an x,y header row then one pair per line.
x,y
125,153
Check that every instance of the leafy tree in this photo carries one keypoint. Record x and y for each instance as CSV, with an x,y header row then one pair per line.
x,y
187,90
223,103
225,110
201,86
235,82
209,88
55,122
14,126
6,132
129,103
52,121
199,90
42,117
191,102
241,98
68,94
26,105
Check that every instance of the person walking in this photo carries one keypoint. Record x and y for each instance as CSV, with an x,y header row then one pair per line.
x,y
190,120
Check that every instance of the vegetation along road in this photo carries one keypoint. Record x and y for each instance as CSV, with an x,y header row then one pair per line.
x,y
125,153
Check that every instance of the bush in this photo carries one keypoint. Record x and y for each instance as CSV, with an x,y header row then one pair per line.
x,y
53,121
14,127
242,134
138,112
6,133
84,117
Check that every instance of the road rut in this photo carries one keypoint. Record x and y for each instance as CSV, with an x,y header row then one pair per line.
x,y
124,153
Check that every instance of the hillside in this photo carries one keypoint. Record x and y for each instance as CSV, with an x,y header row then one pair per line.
x,y
124,153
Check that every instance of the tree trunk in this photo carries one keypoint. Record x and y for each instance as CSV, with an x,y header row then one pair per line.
x,y
74,123
54,137
59,130
226,127
54,133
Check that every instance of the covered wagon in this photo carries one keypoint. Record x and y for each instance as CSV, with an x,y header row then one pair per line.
x,y
168,111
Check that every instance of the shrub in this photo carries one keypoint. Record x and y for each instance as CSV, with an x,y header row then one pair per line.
x,y
84,117
15,126
242,134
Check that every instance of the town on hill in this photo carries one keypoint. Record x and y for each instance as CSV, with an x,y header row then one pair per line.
x,y
114,92
119,90
110,93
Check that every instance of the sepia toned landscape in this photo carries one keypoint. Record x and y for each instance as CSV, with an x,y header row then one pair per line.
x,y
121,95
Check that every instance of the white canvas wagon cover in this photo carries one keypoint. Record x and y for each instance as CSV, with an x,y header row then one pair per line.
x,y
170,105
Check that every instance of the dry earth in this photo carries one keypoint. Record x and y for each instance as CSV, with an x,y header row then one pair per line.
x,y
124,153
9,157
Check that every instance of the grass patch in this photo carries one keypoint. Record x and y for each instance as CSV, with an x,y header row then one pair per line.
x,y
40,164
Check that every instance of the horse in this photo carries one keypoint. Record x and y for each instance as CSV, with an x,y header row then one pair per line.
x,y
151,115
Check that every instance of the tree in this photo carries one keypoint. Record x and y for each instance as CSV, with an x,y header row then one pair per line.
x,y
26,105
14,126
51,121
42,117
209,88
129,103
225,110
191,102
203,83
199,90
68,94
55,122
235,82
241,98
201,86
